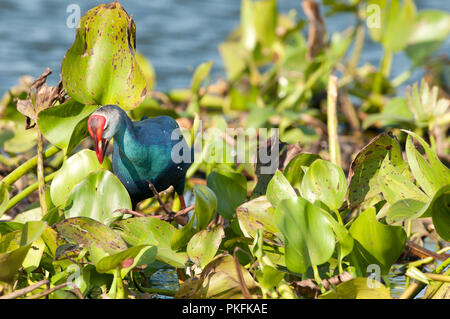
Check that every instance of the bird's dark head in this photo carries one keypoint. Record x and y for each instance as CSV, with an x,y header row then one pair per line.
x,y
103,125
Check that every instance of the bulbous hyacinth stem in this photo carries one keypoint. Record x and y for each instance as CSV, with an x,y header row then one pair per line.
x,y
12,177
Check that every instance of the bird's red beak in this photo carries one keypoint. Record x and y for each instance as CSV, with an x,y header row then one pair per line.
x,y
96,125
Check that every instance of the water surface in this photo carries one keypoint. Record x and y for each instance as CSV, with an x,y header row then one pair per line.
x,y
176,35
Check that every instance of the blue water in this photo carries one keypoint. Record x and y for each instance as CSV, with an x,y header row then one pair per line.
x,y
176,35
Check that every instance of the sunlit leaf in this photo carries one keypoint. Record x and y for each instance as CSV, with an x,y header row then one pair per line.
x,y
394,185
201,72
364,169
440,212
7,227
59,124
151,231
399,24
428,179
100,67
258,23
73,171
269,277
147,69
430,30
33,214
230,189
358,288
295,169
436,165
343,237
85,231
34,255
127,259
203,246
279,189
15,246
205,205
405,209
258,214
97,197
308,237
324,181
219,280
182,235
375,243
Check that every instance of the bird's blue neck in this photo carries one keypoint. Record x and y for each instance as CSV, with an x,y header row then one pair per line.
x,y
125,136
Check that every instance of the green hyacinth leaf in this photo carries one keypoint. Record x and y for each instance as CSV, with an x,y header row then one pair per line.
x,y
98,196
85,232
203,246
205,205
324,181
72,172
375,243
100,67
308,235
65,125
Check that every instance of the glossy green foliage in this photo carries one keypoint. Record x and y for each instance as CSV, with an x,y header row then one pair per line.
x,y
100,67
325,182
269,277
440,211
14,249
75,169
278,189
395,22
358,288
85,231
205,205
295,170
98,196
258,214
126,260
431,29
394,185
436,165
364,169
65,125
375,243
151,231
306,229
308,237
219,280
232,188
430,175
203,246
147,69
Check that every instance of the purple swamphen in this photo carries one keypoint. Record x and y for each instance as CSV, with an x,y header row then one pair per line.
x,y
150,150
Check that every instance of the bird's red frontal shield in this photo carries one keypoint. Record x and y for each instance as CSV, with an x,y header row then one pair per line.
x,y
96,125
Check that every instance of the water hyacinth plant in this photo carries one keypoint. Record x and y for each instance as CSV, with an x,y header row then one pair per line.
x,y
356,193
